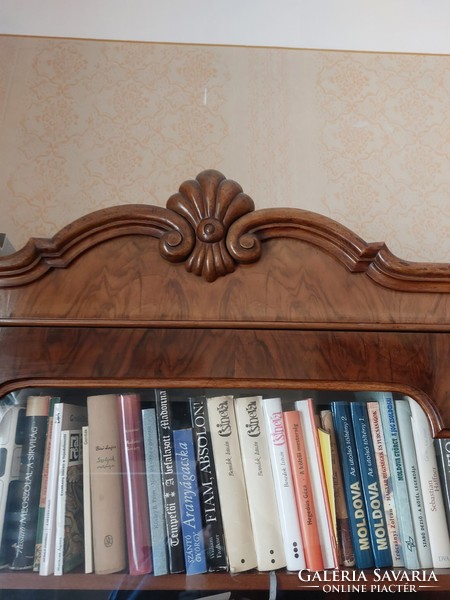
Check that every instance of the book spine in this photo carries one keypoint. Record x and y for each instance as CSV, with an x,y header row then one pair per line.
x,y
442,449
216,554
344,536
396,466
31,466
169,482
324,520
188,496
230,479
155,493
384,475
135,485
61,503
413,483
371,485
105,464
87,507
303,490
284,488
431,488
44,482
259,483
353,486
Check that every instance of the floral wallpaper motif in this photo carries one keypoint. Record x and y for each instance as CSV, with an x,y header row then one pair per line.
x,y
361,137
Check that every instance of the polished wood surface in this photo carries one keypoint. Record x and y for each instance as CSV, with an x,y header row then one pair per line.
x,y
210,293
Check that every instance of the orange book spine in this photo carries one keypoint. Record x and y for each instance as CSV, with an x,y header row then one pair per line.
x,y
303,490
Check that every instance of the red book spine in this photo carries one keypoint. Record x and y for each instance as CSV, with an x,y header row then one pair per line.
x,y
135,485
303,490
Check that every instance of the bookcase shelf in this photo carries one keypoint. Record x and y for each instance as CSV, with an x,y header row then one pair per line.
x,y
210,293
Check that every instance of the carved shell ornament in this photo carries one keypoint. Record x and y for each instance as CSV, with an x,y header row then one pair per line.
x,y
210,204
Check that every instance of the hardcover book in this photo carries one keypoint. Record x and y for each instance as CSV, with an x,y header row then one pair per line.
x,y
259,483
371,485
29,482
216,554
431,488
69,538
134,485
343,533
105,462
356,507
87,507
412,476
303,490
284,488
230,479
189,499
155,493
324,520
384,475
169,482
442,448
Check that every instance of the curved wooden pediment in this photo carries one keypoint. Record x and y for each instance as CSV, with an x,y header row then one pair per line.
x,y
210,224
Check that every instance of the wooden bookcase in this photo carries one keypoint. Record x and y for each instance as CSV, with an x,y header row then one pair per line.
x,y
211,293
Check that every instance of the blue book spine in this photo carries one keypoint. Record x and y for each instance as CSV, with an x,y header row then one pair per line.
x,y
188,496
356,508
371,485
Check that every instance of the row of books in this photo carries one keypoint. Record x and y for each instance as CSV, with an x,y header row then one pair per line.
x,y
163,482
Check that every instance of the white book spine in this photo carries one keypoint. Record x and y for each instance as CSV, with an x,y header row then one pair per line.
x,y
384,474
324,522
412,475
431,488
259,484
231,484
48,532
284,490
87,507
61,503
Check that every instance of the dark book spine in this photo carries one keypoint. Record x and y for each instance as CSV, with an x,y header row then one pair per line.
x,y
371,485
169,482
442,449
29,482
207,482
353,485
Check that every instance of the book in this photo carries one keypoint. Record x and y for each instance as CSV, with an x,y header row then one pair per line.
x,y
29,489
356,507
87,507
137,518
155,493
411,466
231,484
12,419
105,463
44,482
189,499
259,483
216,554
371,485
431,487
65,416
69,532
303,490
324,520
284,489
396,466
169,482
384,475
325,455
442,449
343,533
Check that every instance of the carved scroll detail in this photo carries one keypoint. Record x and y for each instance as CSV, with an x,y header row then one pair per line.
x,y
211,204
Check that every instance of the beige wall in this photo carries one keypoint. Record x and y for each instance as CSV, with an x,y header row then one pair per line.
x,y
361,137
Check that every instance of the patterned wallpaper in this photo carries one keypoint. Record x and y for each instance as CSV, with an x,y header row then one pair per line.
x,y
361,137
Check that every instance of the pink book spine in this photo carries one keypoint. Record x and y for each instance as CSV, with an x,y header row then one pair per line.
x,y
135,485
